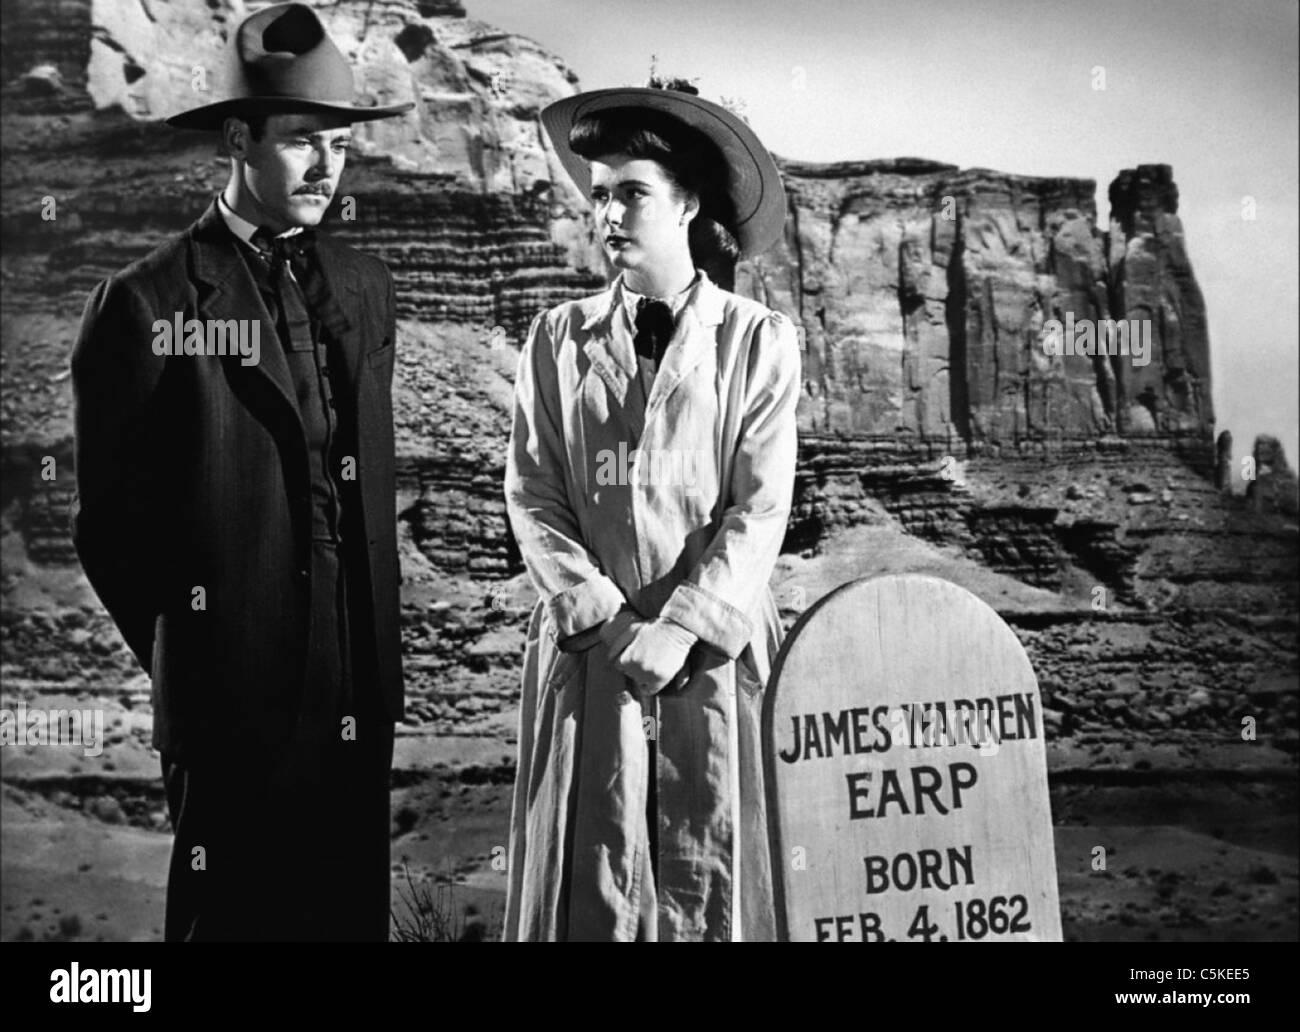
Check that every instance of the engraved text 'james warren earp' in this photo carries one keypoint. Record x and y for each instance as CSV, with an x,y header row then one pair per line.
x,y
181,336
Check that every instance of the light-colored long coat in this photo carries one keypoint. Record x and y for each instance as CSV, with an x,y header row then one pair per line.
x,y
692,532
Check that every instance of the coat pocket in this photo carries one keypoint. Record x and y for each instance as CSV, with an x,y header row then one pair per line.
x,y
563,668
380,362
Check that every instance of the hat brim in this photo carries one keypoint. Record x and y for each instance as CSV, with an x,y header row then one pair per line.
x,y
755,185
212,116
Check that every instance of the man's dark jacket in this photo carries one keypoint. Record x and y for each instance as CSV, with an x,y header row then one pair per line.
x,y
192,472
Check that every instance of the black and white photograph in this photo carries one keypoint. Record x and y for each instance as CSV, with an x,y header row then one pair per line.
x,y
537,470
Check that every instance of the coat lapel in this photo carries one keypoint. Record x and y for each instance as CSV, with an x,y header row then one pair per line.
x,y
610,354
343,323
612,357
226,291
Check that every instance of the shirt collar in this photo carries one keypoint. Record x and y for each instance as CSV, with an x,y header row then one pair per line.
x,y
706,300
241,227
677,302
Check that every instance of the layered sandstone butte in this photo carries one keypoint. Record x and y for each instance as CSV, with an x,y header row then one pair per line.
x,y
923,291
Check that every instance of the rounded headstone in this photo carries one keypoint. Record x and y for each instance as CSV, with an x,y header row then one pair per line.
x,y
906,771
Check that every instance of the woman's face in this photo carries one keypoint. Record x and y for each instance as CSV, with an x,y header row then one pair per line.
x,y
640,219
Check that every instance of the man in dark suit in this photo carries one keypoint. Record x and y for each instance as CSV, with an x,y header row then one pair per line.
x,y
235,511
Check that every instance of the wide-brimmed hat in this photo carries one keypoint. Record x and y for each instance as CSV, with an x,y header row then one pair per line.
x,y
282,60
753,182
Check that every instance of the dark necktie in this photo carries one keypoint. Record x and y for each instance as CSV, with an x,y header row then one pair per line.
x,y
278,252
306,295
654,329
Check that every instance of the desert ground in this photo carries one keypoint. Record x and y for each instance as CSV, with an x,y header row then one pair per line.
x,y
1199,829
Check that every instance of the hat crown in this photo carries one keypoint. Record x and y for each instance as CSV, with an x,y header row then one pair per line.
x,y
284,52
282,59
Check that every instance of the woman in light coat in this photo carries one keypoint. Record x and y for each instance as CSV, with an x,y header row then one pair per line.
x,y
648,484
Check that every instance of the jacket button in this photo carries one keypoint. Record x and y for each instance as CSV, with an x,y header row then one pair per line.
x,y
303,576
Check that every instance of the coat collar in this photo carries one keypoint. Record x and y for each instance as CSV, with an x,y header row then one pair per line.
x,y
612,355
707,300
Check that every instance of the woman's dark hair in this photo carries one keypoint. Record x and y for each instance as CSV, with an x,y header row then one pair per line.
x,y
691,162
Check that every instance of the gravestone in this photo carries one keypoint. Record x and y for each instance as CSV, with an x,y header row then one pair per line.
x,y
906,772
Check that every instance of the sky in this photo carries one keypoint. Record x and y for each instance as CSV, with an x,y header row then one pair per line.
x,y
1205,86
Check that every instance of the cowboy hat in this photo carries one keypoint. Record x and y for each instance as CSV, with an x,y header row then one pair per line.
x,y
754,184
282,60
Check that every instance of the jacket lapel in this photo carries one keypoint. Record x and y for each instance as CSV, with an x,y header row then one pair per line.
x,y
610,354
226,291
344,323
612,357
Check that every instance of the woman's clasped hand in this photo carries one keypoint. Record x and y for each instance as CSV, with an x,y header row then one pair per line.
x,y
651,653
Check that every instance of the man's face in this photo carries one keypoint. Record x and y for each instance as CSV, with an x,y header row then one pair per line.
x,y
641,219
291,173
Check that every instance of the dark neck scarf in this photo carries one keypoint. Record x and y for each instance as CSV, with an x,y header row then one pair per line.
x,y
654,329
